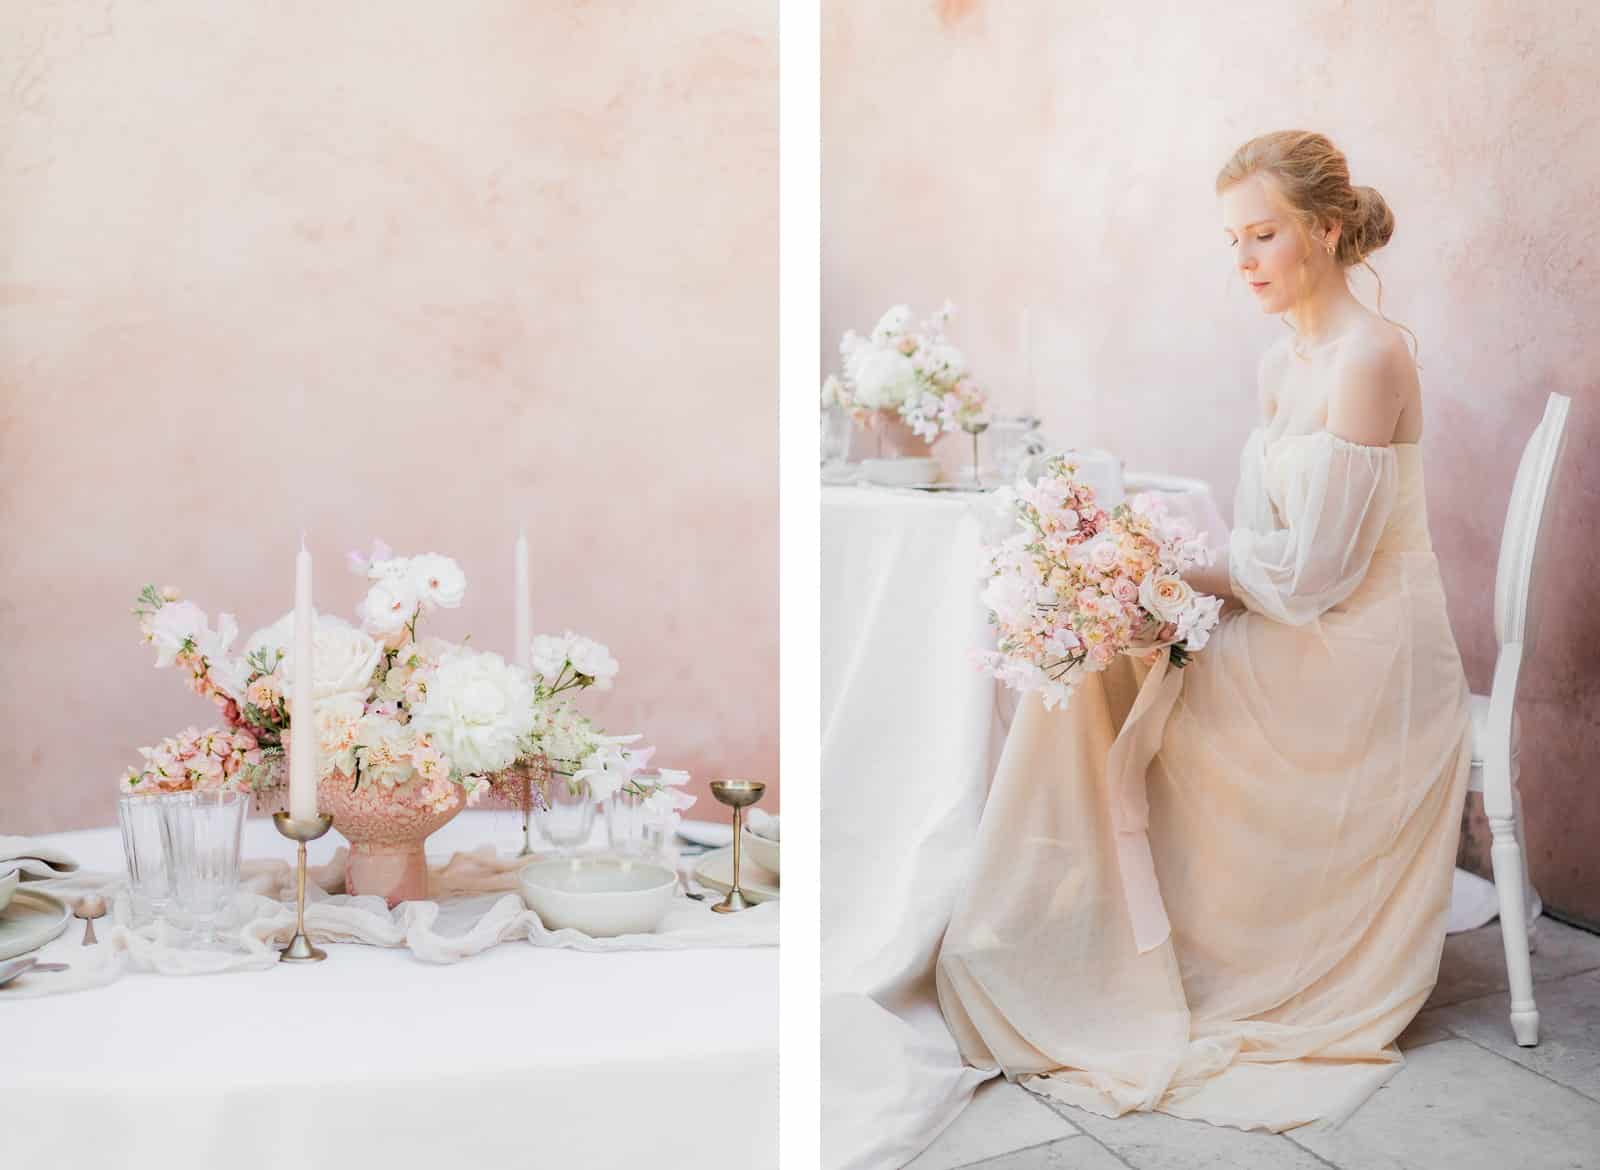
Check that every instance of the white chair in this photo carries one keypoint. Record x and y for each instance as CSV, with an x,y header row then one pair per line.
x,y
1495,728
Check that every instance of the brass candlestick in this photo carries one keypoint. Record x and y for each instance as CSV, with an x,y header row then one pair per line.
x,y
737,795
300,949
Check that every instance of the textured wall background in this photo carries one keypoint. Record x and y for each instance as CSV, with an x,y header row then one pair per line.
x,y
1059,160
420,271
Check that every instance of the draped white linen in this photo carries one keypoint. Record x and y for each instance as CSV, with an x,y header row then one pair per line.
x,y
522,1054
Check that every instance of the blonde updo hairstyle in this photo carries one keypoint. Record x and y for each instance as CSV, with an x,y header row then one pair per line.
x,y
1312,182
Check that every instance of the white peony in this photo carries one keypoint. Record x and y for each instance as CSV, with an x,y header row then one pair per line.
x,y
388,607
437,580
477,709
882,377
344,657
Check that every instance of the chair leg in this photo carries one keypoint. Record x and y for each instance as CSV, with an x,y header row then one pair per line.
x,y
1506,856
1530,896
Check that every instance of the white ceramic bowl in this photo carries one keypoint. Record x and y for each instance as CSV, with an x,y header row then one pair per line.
x,y
761,850
902,471
601,896
8,886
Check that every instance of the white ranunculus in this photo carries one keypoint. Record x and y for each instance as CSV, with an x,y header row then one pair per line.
x,y
437,580
882,378
1165,595
174,624
344,657
388,607
551,654
477,709
591,658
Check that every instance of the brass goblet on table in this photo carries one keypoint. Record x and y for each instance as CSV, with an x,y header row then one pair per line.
x,y
737,795
300,949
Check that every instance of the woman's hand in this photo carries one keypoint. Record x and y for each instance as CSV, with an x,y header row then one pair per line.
x,y
1214,579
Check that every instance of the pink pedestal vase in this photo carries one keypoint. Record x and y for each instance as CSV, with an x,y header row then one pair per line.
x,y
386,831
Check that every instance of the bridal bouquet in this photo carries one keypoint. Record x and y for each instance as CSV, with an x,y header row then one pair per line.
x,y
409,719
916,374
1075,586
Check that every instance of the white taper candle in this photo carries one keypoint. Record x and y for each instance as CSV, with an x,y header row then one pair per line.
x,y
524,622
302,710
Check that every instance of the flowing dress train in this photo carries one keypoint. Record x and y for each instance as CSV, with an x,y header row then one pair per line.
x,y
1221,892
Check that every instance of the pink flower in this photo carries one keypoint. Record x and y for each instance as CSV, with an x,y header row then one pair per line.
x,y
1124,590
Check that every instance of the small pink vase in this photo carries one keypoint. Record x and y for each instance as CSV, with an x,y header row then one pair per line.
x,y
386,831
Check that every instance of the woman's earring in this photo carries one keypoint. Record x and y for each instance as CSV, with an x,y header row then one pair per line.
x,y
1331,245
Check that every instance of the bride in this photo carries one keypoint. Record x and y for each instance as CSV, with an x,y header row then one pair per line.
x,y
1220,892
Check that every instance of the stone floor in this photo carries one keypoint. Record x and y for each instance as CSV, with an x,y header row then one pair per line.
x,y
1467,1098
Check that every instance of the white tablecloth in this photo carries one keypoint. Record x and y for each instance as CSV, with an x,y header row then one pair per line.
x,y
909,728
517,1056
911,733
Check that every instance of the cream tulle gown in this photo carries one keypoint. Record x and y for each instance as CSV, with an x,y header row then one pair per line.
x,y
1226,902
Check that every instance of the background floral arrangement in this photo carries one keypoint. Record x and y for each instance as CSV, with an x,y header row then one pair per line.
x,y
1074,586
916,374
413,715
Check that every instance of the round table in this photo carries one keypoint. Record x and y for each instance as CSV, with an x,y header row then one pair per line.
x,y
518,1056
911,734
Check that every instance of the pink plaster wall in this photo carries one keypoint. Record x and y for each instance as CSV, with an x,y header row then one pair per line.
x,y
421,271
1060,158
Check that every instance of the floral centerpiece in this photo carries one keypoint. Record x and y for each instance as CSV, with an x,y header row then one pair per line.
x,y
914,374
408,729
1074,586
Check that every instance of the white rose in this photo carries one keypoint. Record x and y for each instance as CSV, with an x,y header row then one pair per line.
x,y
343,657
591,658
1165,595
832,392
437,580
477,710
387,608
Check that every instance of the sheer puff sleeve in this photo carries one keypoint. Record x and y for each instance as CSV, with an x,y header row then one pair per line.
x,y
1336,499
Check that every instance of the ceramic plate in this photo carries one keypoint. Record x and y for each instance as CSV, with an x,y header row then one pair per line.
x,y
715,872
708,833
32,919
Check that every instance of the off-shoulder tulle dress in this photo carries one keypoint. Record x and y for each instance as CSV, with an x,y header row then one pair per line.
x,y
1220,892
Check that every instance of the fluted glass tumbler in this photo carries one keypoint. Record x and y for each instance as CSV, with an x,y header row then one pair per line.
x,y
569,819
147,853
204,829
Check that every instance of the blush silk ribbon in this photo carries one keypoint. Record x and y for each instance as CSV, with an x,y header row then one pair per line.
x,y
1127,764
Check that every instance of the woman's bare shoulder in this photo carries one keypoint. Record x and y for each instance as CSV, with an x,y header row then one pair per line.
x,y
1374,381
